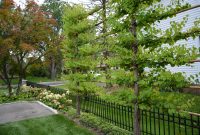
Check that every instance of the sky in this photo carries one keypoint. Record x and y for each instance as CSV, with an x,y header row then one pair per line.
x,y
41,1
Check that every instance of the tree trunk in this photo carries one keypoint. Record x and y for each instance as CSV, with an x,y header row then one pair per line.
x,y
20,79
19,85
53,69
136,77
106,53
10,89
24,74
78,105
6,77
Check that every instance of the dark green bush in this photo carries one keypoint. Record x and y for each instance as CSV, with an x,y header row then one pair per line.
x,y
21,96
38,70
166,81
171,82
123,95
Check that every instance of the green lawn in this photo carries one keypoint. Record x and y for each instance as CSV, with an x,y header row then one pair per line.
x,y
40,79
3,91
14,81
50,125
62,86
32,79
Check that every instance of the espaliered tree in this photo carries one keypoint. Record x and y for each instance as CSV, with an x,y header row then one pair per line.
x,y
140,43
78,52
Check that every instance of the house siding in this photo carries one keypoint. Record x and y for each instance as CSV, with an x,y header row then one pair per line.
x,y
192,15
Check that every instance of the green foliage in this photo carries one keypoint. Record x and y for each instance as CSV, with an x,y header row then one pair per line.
x,y
56,8
173,103
84,87
79,59
169,101
37,70
170,82
71,112
122,95
141,45
27,93
98,123
122,77
25,34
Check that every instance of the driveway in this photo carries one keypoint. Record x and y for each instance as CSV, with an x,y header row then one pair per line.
x,y
55,83
17,111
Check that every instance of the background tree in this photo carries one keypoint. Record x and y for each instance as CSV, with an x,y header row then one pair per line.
x,y
7,63
28,31
140,43
104,43
55,61
78,52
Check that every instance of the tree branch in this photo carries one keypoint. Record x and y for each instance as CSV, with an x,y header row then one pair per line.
x,y
154,16
157,41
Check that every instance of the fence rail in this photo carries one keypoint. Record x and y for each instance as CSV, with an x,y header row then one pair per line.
x,y
152,122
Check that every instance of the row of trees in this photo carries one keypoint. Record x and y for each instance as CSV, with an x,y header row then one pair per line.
x,y
27,36
128,38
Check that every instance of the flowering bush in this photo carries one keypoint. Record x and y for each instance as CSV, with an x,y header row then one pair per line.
x,y
57,101
30,91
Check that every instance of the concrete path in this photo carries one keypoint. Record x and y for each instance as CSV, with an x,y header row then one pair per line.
x,y
59,83
17,111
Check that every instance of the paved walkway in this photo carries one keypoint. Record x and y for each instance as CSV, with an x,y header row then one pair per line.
x,y
59,83
55,83
17,111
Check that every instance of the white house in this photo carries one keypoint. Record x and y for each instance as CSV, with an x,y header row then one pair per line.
x,y
193,14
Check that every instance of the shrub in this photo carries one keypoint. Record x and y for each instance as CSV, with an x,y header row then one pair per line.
x,y
169,82
38,70
57,101
123,95
71,112
122,77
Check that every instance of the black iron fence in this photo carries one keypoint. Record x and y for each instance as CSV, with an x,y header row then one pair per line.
x,y
152,122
